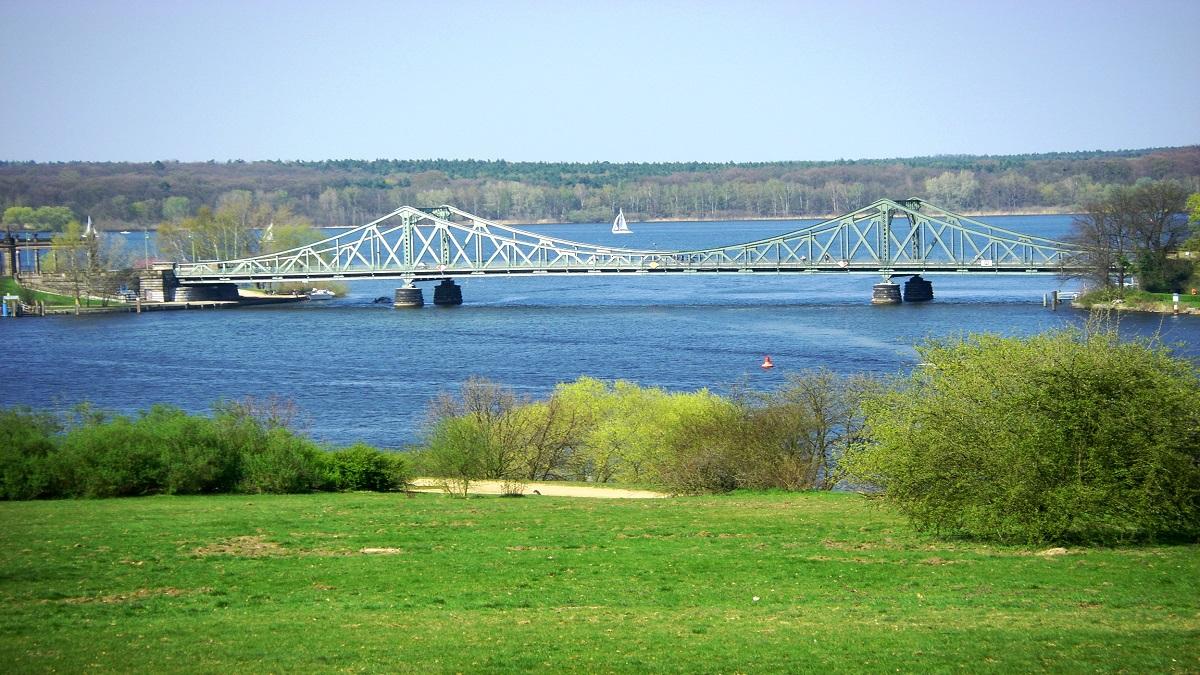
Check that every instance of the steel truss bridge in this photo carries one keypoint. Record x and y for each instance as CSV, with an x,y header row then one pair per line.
x,y
887,237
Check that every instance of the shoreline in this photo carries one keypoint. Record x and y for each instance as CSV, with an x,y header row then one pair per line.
x,y
133,308
1164,308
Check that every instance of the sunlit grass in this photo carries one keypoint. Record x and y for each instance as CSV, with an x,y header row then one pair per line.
x,y
429,583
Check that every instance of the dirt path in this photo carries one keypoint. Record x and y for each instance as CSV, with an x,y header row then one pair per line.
x,y
493,487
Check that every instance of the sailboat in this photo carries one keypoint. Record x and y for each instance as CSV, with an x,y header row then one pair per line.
x,y
619,224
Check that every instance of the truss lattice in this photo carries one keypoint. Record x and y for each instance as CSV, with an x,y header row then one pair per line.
x,y
886,237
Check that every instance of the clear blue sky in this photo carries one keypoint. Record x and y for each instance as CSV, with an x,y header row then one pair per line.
x,y
609,80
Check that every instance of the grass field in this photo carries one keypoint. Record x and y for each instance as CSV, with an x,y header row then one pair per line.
x,y
427,583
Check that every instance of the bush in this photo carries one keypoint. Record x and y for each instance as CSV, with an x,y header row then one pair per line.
x,y
26,443
457,450
1067,436
112,459
284,463
361,467
195,456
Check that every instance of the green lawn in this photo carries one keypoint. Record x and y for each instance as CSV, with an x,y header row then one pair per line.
x,y
710,584
8,286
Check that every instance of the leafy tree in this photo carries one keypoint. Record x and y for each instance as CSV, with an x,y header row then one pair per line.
x,y
1135,229
953,190
176,208
456,451
75,256
18,216
53,217
1067,436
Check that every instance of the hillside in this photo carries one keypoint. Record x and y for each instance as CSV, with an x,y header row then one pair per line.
x,y
348,192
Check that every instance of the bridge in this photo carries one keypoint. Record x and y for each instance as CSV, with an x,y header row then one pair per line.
x,y
891,238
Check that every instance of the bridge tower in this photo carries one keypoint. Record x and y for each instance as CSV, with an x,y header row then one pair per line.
x,y
886,292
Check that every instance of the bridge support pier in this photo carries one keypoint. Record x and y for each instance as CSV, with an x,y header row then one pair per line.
x,y
447,293
917,289
408,296
158,283
886,292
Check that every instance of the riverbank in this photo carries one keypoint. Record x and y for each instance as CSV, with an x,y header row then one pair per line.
x,y
244,300
1139,301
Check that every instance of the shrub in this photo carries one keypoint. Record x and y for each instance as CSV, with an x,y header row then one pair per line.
x,y
26,444
283,463
362,467
196,458
111,459
457,451
1066,436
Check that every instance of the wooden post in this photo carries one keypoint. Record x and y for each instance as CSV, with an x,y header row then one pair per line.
x,y
1054,300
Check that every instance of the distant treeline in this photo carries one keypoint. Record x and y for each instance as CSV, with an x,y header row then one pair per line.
x,y
351,192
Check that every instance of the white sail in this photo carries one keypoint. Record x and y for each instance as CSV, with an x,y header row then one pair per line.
x,y
619,224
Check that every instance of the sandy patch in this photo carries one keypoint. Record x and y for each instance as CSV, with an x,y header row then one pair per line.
x,y
245,547
533,489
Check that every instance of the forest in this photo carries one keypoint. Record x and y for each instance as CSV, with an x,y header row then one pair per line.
x,y
120,195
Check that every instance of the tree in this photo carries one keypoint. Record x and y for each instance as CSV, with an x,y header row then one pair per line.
x,y
175,208
953,190
455,451
1193,209
1134,229
1072,435
75,256
1159,226
18,216
53,217
1106,242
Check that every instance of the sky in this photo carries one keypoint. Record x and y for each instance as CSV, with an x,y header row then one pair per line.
x,y
618,81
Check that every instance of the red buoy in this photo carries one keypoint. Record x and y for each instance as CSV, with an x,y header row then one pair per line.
x,y
766,364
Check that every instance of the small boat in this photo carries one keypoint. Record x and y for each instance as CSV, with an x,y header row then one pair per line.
x,y
619,224
124,231
766,364
320,294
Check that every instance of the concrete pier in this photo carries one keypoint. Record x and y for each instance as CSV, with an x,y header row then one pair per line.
x,y
447,293
917,289
886,293
158,283
408,296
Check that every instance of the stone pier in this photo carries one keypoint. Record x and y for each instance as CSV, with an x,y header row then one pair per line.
x,y
447,293
917,289
408,296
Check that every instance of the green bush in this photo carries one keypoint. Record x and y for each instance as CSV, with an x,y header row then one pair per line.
x,y
116,458
195,456
1066,436
284,463
26,443
457,449
362,467
165,450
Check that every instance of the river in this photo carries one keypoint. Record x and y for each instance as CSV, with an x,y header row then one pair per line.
x,y
360,371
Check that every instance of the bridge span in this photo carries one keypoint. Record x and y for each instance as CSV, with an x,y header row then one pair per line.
x,y
890,238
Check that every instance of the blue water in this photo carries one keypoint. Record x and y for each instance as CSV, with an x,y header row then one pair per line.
x,y
360,371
